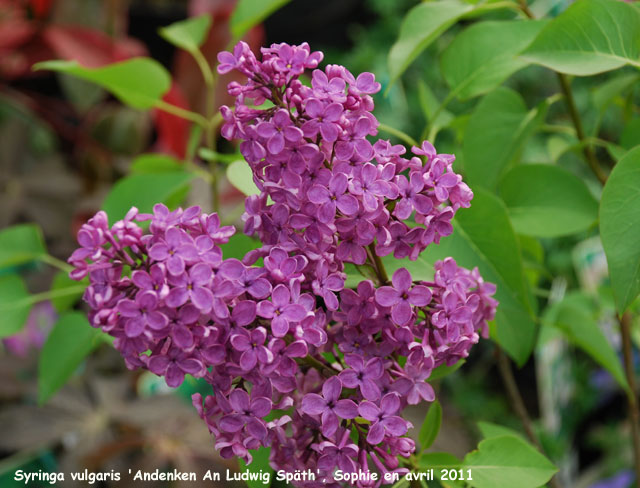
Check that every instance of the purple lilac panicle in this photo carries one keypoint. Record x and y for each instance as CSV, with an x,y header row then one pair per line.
x,y
288,339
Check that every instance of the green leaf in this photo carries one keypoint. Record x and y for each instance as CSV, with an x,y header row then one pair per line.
x,y
444,370
429,105
488,430
590,37
251,12
605,93
485,54
187,34
630,136
15,304
496,132
620,228
507,461
143,191
437,460
20,244
573,317
483,237
430,426
138,82
547,201
420,269
70,341
69,290
240,176
421,26
153,163
239,245
259,464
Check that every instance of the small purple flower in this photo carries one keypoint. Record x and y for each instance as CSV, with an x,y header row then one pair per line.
x,y
249,413
192,286
402,296
329,406
251,344
363,375
340,454
324,119
278,131
175,249
383,419
141,312
174,365
281,311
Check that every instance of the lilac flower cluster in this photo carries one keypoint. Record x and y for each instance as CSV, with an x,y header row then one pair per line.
x,y
297,361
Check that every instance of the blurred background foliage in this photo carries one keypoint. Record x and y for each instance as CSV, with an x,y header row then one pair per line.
x,y
66,143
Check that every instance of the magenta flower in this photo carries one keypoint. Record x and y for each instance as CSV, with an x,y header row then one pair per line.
x,y
332,197
141,312
278,131
383,419
329,406
173,365
176,249
323,119
249,412
281,310
251,344
341,453
363,375
402,296
192,286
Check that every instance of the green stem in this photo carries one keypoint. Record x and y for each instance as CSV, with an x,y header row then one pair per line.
x,y
504,367
181,112
314,363
587,149
399,134
56,263
381,272
41,297
634,412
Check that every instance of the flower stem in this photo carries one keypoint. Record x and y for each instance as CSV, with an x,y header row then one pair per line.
x,y
378,266
587,149
634,413
56,263
399,134
504,366
314,363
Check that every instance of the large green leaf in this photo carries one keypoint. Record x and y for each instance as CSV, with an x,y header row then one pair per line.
x,y
155,163
488,430
421,26
20,244
138,82
483,237
496,132
485,54
574,316
143,191
70,341
505,462
590,37
620,228
547,201
187,34
430,426
251,12
15,304
240,176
